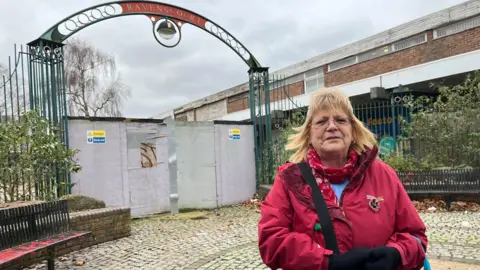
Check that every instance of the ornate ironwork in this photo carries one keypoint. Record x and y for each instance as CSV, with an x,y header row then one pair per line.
x,y
47,52
231,41
81,20
88,17
154,10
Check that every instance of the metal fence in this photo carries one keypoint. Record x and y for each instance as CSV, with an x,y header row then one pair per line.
x,y
275,112
275,122
32,81
463,181
278,111
384,119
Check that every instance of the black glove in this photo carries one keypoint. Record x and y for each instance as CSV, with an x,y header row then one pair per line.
x,y
353,259
383,258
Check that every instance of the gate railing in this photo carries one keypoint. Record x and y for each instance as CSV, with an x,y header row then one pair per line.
x,y
33,81
275,112
384,119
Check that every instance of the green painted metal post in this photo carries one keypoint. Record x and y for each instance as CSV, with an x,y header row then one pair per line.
x,y
394,119
11,88
260,116
31,78
16,82
65,116
23,79
268,126
42,79
253,117
5,97
48,92
261,122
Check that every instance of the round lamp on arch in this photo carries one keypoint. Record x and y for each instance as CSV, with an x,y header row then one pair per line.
x,y
166,29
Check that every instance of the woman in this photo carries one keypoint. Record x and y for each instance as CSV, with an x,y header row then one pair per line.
x,y
376,225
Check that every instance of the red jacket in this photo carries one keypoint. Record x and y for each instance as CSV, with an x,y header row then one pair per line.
x,y
288,240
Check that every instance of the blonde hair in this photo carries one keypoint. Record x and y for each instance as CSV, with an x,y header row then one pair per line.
x,y
329,99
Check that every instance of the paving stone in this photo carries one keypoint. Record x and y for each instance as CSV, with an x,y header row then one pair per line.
x,y
227,239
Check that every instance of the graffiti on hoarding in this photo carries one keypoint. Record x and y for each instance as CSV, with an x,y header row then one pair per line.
x,y
382,120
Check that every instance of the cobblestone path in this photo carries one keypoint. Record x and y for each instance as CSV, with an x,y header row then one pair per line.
x,y
227,240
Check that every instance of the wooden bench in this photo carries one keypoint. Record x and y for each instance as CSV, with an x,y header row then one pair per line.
x,y
27,230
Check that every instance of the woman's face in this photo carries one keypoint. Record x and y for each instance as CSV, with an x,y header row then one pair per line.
x,y
331,132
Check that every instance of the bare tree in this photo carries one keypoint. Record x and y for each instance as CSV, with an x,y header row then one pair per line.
x,y
94,86
14,99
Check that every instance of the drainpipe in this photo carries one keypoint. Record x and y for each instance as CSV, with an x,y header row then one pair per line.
x,y
172,167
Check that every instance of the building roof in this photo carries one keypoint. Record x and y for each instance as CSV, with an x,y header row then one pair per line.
x,y
446,16
163,115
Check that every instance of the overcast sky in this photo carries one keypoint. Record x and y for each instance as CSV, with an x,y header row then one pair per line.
x,y
278,32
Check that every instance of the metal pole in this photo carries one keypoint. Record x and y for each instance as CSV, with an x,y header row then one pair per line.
x,y
172,165
252,74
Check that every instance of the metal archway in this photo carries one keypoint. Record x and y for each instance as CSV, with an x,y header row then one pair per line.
x,y
156,12
47,82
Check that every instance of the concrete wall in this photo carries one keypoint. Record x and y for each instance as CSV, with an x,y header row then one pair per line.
x,y
196,179
113,171
148,184
235,163
104,175
212,169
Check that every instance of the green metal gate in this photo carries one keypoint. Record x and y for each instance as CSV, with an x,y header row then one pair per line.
x,y
47,83
275,111
384,119
33,81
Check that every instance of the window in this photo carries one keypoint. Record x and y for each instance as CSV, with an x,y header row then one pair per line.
x,y
372,54
379,52
182,117
343,63
410,42
314,80
294,79
456,27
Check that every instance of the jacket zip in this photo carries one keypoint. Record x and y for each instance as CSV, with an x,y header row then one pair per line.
x,y
343,194
349,185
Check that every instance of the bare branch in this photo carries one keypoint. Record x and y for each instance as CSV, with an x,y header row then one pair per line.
x,y
13,99
94,84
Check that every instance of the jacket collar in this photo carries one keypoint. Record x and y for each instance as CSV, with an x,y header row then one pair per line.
x,y
364,161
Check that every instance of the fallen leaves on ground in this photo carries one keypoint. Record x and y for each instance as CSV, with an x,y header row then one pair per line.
x,y
253,203
79,262
422,206
435,205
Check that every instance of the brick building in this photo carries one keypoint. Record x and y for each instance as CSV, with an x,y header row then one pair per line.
x,y
441,46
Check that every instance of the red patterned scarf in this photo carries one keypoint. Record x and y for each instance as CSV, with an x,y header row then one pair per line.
x,y
326,175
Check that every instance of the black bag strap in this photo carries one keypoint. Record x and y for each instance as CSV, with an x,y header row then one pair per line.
x,y
322,209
